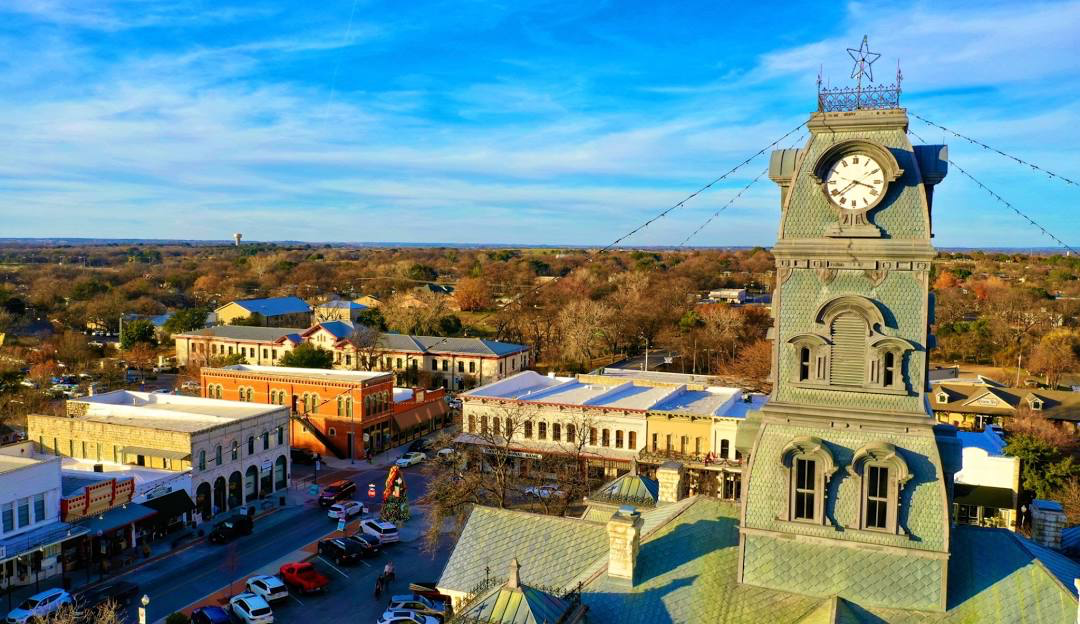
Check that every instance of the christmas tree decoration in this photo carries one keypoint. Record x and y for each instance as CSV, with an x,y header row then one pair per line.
x,y
395,498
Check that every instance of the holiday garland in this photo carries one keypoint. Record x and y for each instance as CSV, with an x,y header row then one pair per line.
x,y
395,498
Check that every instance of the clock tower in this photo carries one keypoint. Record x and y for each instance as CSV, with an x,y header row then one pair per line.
x,y
847,491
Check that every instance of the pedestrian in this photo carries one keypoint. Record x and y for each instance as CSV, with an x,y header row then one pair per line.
x,y
378,586
388,571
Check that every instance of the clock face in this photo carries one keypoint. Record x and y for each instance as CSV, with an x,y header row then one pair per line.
x,y
855,182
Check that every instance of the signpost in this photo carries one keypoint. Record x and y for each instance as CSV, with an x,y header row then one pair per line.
x,y
371,490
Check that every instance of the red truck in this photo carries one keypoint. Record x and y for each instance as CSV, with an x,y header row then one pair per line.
x,y
304,577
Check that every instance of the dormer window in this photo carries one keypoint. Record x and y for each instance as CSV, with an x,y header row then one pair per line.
x,y
882,472
1036,404
809,464
942,397
812,353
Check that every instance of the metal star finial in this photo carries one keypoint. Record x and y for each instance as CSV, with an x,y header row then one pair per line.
x,y
864,59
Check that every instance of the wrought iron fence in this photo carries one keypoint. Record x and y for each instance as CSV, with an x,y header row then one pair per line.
x,y
621,499
842,99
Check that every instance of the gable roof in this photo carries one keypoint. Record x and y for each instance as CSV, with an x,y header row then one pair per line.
x,y
552,550
342,304
338,329
273,306
962,397
631,489
520,605
437,344
243,332
687,566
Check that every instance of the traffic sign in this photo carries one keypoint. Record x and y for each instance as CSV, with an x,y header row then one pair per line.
x,y
341,524
371,490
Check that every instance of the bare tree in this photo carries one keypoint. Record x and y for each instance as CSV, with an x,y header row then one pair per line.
x,y
366,344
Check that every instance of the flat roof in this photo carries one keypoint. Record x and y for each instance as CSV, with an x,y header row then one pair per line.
x,y
167,412
8,464
321,374
645,392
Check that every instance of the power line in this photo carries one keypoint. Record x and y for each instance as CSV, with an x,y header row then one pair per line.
x,y
1021,161
731,201
1008,205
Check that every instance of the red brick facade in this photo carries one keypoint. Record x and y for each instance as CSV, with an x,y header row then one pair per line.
x,y
333,411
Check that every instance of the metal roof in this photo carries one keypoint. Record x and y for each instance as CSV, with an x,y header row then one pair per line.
x,y
274,306
449,346
243,332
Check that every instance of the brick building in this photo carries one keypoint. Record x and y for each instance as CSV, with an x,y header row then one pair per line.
x,y
335,412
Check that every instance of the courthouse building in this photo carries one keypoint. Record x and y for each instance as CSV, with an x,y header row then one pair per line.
x,y
235,452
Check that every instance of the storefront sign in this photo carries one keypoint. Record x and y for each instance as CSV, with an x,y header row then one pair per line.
x,y
521,454
267,466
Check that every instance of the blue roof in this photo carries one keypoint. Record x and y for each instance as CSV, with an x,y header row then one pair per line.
x,y
275,306
987,440
1046,505
340,329
344,305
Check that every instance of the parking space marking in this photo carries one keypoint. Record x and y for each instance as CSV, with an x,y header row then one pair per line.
x,y
333,566
296,599
365,563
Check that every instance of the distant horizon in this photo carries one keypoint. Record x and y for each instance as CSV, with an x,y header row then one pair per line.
x,y
54,241
516,122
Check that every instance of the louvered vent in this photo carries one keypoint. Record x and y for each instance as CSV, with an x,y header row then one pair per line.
x,y
848,351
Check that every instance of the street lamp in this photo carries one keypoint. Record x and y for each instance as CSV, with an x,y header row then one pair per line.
x,y
145,602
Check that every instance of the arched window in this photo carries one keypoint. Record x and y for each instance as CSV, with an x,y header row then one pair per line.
x,y
556,432
483,425
472,423
631,442
235,450
541,430
809,464
528,429
251,445
250,394
618,438
592,436
887,364
340,406
571,433
202,460
881,472
888,369
495,425
348,406
605,437
280,435
804,363
266,440
217,455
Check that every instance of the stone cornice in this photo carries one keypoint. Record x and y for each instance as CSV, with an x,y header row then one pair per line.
x,y
832,543
865,120
867,253
819,415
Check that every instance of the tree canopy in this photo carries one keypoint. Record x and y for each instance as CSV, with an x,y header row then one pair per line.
x,y
308,355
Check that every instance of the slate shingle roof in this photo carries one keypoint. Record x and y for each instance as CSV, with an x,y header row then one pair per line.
x,y
1057,404
524,605
687,569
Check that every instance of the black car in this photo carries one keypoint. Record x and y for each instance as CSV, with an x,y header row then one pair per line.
x,y
338,490
369,545
303,456
340,550
228,530
119,592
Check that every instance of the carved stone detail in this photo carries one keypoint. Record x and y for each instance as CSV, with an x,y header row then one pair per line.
x,y
826,275
876,277
782,274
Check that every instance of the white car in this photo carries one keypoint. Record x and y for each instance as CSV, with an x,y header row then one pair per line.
x,y
445,453
405,617
382,531
410,459
346,509
39,605
544,491
251,609
269,588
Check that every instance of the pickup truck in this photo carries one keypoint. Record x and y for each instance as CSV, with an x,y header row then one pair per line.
x,y
304,577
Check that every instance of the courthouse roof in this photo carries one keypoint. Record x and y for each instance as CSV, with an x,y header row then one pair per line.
x,y
687,563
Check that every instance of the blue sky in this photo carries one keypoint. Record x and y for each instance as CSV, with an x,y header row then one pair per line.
x,y
515,122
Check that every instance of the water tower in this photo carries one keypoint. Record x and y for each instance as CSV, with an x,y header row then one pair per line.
x,y
237,237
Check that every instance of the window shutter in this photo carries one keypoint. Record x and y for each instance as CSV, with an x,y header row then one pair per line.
x,y
848,351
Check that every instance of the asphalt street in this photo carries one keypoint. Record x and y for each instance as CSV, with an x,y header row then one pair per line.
x,y
191,574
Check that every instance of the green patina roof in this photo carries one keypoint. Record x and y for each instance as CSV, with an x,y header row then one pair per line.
x,y
627,489
522,605
551,550
687,569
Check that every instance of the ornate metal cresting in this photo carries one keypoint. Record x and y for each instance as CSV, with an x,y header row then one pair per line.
x,y
870,97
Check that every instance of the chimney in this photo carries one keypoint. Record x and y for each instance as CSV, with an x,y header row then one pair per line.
x,y
624,540
670,476
1047,520
514,581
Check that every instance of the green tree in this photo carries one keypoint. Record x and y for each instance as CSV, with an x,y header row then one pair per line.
x,y
186,320
138,331
308,355
373,318
1044,469
253,320
422,273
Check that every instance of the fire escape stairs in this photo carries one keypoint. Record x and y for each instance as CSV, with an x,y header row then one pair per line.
x,y
306,423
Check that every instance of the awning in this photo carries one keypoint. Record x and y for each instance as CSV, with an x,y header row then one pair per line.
x,y
116,518
172,504
41,537
152,452
418,416
983,496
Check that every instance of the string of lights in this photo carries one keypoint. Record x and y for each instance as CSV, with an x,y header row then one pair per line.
x,y
1021,161
732,200
592,255
1003,201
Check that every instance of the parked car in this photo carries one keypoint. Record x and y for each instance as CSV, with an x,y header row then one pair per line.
x,y
382,531
420,445
39,606
336,491
224,532
410,459
368,544
303,456
445,453
251,609
212,614
405,617
340,550
455,404
418,604
346,510
119,592
304,577
544,491
269,588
